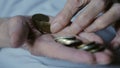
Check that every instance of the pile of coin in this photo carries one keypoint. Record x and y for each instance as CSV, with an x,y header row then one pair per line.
x,y
76,43
41,22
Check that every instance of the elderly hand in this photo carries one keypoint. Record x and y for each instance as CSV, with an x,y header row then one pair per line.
x,y
96,15
45,45
20,27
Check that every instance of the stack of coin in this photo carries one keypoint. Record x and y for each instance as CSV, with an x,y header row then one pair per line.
x,y
91,47
76,43
68,41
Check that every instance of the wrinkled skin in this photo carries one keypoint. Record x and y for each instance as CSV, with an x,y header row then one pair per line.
x,y
19,28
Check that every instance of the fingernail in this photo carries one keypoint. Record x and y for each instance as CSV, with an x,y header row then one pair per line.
x,y
55,27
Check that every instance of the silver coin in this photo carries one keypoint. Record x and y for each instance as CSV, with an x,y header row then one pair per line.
x,y
87,47
68,41
73,42
91,47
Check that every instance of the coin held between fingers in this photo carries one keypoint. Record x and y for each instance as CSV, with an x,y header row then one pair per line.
x,y
41,22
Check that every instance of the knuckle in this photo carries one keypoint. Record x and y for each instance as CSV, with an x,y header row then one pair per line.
x,y
79,3
101,3
99,24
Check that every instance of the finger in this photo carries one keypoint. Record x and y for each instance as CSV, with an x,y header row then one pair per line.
x,y
58,51
105,20
103,58
86,17
64,17
116,41
18,31
117,25
90,37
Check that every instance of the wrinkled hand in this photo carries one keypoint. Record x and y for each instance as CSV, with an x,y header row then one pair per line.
x,y
46,46
96,15
56,50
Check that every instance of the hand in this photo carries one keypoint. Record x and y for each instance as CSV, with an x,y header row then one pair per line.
x,y
46,46
89,19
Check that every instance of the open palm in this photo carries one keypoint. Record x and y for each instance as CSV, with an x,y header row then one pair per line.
x,y
20,27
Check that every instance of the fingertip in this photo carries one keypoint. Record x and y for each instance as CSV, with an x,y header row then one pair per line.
x,y
58,24
102,58
55,27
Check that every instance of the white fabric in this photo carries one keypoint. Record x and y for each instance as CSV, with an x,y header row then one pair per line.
x,y
20,58
30,7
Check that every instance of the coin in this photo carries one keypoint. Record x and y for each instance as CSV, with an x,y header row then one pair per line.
x,y
87,47
101,48
41,22
76,43
91,47
40,17
69,37
68,41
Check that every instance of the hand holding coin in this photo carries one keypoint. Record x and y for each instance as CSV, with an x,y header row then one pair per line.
x,y
67,47
41,22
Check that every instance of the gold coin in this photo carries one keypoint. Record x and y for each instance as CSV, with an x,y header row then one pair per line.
x,y
88,46
91,47
68,41
73,42
40,17
41,22
101,48
69,37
